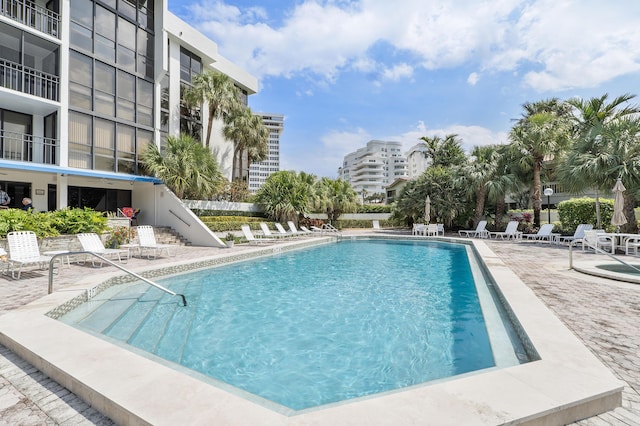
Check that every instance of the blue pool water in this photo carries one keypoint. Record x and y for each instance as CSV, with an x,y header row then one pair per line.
x,y
313,326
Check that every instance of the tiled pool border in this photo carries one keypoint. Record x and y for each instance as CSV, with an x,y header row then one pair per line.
x,y
568,383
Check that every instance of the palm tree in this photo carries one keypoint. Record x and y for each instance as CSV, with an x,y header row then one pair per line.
x,y
187,168
542,134
505,180
218,92
591,118
283,196
598,162
336,197
249,135
477,174
444,152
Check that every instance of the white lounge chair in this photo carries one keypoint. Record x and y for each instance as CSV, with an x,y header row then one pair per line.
x,y
294,230
266,232
632,244
376,224
92,242
479,232
440,229
283,231
510,233
24,251
544,233
598,241
307,230
578,234
147,241
246,231
418,229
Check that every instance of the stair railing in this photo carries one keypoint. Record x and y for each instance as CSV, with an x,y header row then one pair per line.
x,y
133,274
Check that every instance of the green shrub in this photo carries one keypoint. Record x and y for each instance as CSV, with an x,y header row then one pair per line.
x,y
214,213
360,223
583,210
374,208
75,221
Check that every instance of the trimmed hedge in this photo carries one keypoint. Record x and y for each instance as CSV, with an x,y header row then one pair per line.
x,y
583,210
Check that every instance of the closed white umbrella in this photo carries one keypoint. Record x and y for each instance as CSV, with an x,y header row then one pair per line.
x,y
618,217
427,210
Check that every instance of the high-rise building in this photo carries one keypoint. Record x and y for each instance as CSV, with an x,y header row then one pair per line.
x,y
260,171
86,85
370,169
417,161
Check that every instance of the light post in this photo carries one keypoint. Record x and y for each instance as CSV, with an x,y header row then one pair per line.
x,y
548,192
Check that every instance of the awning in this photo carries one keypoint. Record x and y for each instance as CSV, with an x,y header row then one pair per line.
x,y
46,168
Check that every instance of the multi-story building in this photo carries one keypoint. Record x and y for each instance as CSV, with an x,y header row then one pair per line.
x,y
371,169
417,161
85,86
260,171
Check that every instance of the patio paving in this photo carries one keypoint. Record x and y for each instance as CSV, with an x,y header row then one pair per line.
x,y
603,313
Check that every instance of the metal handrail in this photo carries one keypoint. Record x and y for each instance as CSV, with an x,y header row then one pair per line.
x,y
151,283
597,250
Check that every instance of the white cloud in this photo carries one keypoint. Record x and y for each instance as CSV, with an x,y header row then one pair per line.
x,y
552,45
473,78
470,135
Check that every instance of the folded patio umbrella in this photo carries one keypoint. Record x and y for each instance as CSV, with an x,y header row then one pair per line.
x,y
618,217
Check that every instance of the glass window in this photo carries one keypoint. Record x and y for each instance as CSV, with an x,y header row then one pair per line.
x,y
80,140
126,96
126,33
81,37
10,39
105,34
145,102
105,89
126,139
82,12
127,8
104,137
80,80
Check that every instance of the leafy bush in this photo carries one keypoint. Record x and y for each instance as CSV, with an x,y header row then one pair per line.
x,y
51,224
75,221
374,208
583,210
205,213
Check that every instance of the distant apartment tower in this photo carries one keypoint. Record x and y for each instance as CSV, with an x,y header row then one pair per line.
x,y
371,169
260,171
417,161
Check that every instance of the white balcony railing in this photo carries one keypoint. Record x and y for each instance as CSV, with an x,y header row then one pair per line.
x,y
28,80
32,15
28,148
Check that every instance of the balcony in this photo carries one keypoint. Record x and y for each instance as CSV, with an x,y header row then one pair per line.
x,y
28,80
27,148
32,15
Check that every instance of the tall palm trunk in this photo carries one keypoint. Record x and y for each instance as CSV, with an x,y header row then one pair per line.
x,y
500,208
536,197
480,194
631,227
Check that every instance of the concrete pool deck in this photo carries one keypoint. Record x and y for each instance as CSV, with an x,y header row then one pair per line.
x,y
600,312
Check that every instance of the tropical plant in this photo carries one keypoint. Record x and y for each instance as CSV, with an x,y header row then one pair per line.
x,y
250,138
186,167
117,236
284,196
481,168
587,164
220,94
542,134
444,152
335,197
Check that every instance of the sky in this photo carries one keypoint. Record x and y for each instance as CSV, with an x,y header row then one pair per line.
x,y
344,72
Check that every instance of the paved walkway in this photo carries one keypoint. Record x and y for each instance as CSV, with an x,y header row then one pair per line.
x,y
604,314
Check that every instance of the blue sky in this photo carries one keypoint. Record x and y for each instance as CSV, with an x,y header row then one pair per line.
x,y
344,72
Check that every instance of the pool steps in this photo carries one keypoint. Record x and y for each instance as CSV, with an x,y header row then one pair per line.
x,y
129,317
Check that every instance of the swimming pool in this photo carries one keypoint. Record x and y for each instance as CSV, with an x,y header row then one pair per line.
x,y
321,324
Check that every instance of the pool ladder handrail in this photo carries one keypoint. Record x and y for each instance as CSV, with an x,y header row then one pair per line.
x,y
597,250
151,283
